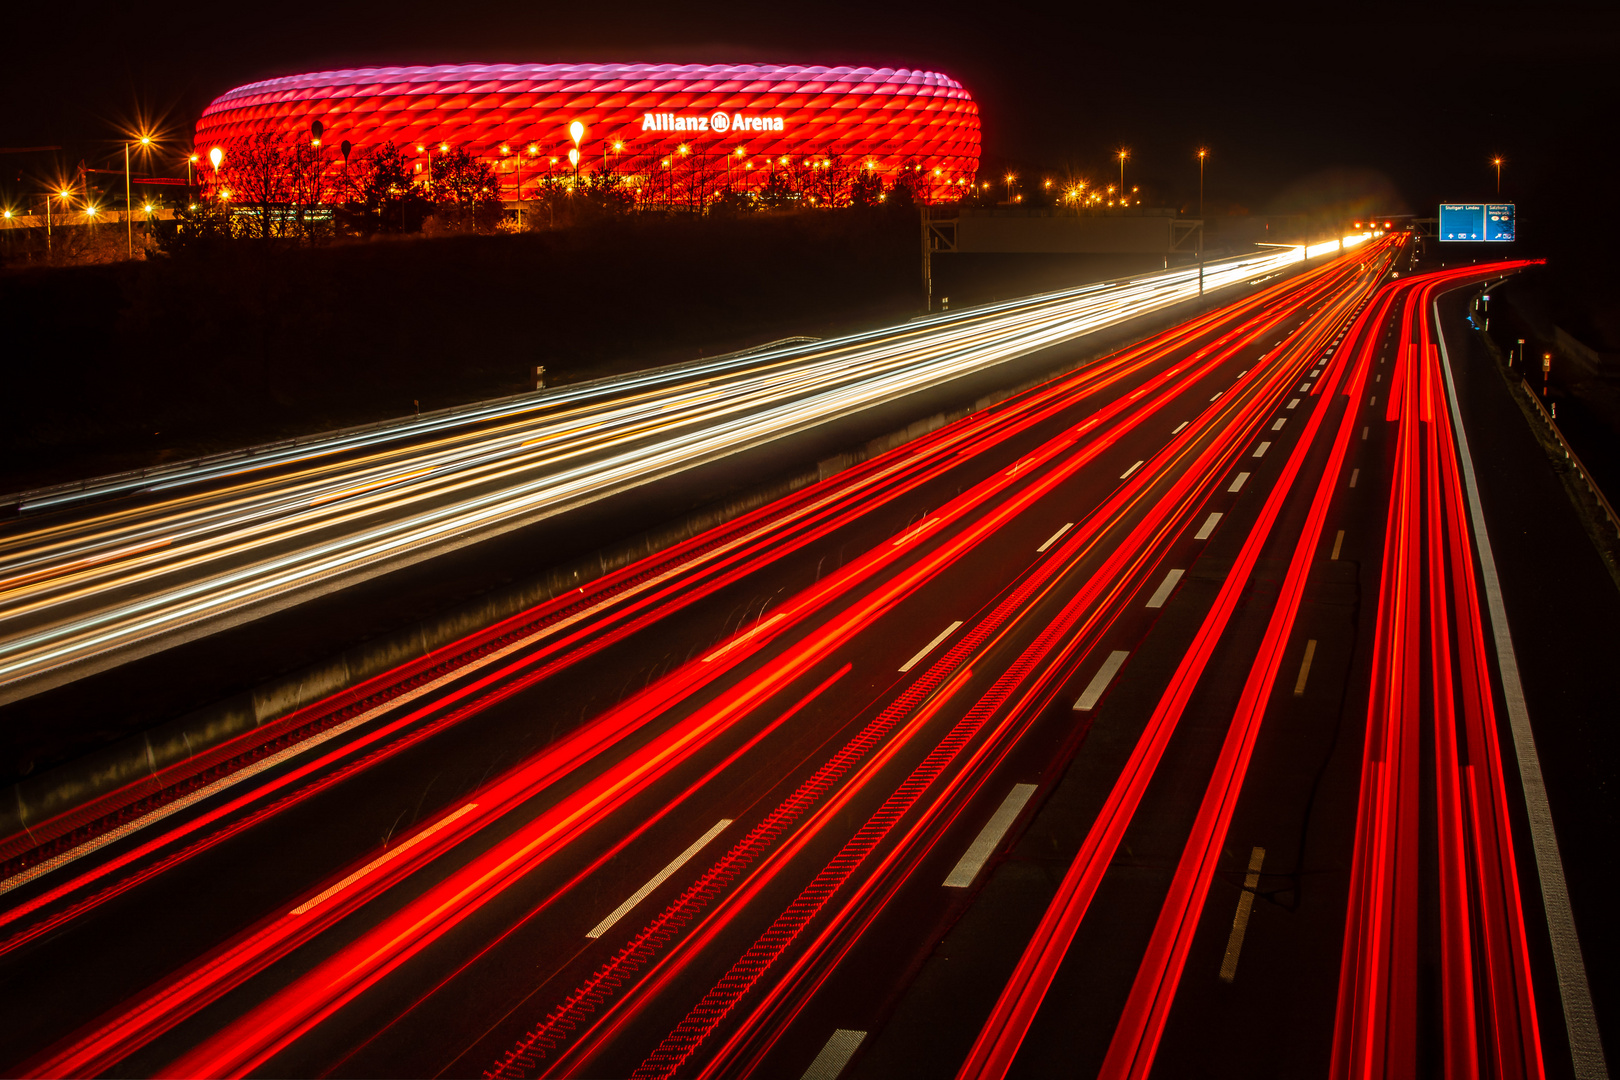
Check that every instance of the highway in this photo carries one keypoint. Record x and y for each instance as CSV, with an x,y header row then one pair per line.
x,y
1154,713
82,588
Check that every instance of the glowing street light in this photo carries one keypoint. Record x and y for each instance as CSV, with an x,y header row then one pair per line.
x,y
145,142
1202,154
1497,161
1123,154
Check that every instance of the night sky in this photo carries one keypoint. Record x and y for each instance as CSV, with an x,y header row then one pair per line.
x,y
1301,104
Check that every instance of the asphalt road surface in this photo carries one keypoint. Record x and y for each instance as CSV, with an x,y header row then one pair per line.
x,y
1156,720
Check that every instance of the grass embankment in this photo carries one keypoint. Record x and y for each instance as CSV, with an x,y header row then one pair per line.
x,y
121,366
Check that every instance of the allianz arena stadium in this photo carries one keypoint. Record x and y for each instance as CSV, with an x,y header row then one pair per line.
x,y
633,117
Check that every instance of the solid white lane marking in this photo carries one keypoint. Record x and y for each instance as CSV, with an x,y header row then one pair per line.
x,y
1166,587
1260,451
1178,428
381,860
1305,668
741,638
1281,420
1237,485
1355,474
1099,682
1055,537
1293,403
1240,922
928,648
1573,989
835,1055
657,879
1126,475
1208,526
984,845
1337,541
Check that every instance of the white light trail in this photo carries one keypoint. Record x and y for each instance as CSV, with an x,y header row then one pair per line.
x,y
231,534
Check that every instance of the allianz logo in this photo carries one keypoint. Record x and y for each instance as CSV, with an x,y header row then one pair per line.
x,y
720,122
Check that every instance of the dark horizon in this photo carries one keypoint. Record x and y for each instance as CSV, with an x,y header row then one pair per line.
x,y
1388,110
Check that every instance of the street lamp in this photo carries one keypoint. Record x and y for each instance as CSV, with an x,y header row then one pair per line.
x,y
1497,161
1123,154
1202,154
129,199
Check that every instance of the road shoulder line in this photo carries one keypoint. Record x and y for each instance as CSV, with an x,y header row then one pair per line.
x,y
1580,1020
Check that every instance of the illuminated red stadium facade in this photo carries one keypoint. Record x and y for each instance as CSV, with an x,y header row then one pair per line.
x,y
637,118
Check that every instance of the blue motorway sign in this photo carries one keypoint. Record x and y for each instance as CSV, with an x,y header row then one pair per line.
x,y
1476,222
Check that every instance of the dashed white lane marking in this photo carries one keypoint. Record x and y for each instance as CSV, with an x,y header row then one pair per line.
x,y
1260,451
1338,542
1355,474
657,879
1055,537
1178,428
381,860
1372,401
1217,394
1126,475
1305,388
984,845
1208,526
1278,426
928,648
1294,403
1166,587
1240,922
1237,484
1363,434
1099,682
835,1055
1305,668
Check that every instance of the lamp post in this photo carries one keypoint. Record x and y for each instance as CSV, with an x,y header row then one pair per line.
x,y
49,195
1497,161
129,199
215,156
1202,154
576,131
1123,154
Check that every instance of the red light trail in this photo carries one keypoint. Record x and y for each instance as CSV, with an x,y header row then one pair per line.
x,y
838,786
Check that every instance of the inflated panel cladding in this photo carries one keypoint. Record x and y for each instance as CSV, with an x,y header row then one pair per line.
x,y
886,119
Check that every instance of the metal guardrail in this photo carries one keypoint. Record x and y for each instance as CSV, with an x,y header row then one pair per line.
x,y
1575,460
